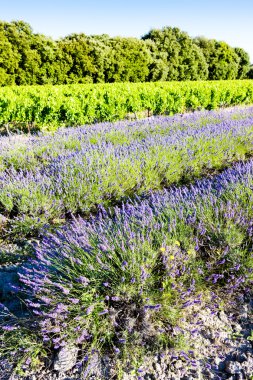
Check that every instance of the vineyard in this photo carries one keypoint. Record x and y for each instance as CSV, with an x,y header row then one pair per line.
x,y
48,107
126,239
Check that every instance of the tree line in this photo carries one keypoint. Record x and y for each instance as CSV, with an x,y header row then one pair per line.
x,y
167,54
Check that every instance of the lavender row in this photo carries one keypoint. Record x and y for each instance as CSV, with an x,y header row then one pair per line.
x,y
48,178
24,152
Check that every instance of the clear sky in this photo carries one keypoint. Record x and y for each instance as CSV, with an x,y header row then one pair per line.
x,y
227,20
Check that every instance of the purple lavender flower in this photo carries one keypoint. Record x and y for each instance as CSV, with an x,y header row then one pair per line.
x,y
153,307
74,300
45,299
83,280
115,298
89,310
9,327
103,312
83,337
116,350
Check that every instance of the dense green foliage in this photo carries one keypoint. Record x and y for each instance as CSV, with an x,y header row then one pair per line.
x,y
50,107
27,58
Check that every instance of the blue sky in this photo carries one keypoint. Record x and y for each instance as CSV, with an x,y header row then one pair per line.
x,y
227,20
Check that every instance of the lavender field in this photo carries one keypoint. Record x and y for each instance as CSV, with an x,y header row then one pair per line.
x,y
47,178
129,241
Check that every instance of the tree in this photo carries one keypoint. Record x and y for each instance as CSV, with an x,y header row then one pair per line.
x,y
222,60
244,63
27,58
101,53
9,60
174,56
51,67
21,38
75,53
129,60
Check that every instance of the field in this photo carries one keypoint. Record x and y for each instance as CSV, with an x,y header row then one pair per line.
x,y
125,239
